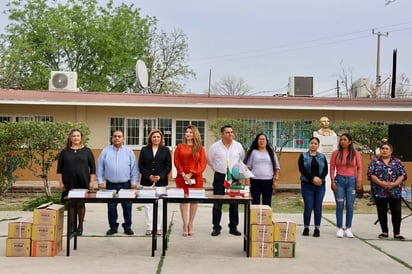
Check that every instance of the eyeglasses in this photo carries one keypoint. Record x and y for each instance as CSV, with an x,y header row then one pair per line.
x,y
117,136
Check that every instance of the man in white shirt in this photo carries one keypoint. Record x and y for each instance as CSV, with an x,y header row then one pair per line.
x,y
223,155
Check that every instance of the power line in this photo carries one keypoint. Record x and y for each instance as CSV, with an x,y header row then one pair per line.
x,y
290,47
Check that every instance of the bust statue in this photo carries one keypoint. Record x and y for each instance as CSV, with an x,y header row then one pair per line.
x,y
324,129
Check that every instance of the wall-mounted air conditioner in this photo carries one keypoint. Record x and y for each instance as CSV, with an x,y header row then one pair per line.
x,y
300,86
63,80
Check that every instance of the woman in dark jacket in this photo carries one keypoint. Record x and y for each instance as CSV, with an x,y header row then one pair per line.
x,y
313,168
155,164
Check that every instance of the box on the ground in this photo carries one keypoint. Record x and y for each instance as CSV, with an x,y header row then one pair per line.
x,y
18,247
261,233
20,229
284,231
45,248
261,249
49,214
284,249
47,232
260,214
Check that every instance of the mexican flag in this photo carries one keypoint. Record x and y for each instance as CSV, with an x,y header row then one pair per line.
x,y
228,179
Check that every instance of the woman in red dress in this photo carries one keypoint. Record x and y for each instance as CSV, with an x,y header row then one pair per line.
x,y
190,162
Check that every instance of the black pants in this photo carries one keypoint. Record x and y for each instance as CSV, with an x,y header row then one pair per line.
x,y
395,207
261,188
219,189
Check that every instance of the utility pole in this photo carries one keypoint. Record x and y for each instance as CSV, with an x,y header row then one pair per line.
x,y
337,88
378,51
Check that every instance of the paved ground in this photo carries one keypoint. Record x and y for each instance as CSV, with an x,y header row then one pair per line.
x,y
202,253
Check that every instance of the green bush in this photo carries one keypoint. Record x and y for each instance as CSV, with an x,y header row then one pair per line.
x,y
31,204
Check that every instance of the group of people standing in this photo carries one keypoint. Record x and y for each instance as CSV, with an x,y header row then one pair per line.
x,y
119,169
385,172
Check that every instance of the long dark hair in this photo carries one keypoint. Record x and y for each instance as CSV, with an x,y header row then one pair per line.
x,y
255,145
351,149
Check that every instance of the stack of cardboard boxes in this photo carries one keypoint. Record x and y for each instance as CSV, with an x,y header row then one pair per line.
x,y
269,238
40,237
261,231
18,243
284,238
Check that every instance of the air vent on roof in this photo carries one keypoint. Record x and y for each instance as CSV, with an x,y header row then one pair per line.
x,y
63,80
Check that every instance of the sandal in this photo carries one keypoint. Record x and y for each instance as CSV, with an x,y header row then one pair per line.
x,y
190,233
399,237
185,233
148,232
383,236
159,232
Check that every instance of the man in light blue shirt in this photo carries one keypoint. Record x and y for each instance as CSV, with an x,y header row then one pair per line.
x,y
117,164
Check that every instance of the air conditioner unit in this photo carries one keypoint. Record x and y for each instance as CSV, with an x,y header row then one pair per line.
x,y
63,80
300,86
361,88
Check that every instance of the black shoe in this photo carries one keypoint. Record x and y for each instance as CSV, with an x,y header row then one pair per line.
x,y
235,232
316,233
383,235
111,231
128,231
305,232
79,232
215,232
399,237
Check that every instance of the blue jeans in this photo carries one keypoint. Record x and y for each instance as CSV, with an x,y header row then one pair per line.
x,y
112,208
345,194
312,198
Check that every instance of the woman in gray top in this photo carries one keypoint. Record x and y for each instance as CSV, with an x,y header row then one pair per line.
x,y
264,164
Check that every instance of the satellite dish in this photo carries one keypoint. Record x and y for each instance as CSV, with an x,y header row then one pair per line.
x,y
60,80
142,77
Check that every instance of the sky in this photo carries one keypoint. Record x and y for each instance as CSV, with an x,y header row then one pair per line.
x,y
267,41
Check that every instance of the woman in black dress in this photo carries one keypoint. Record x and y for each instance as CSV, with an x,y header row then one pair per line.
x,y
76,168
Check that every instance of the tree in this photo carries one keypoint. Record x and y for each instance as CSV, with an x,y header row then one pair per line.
x,y
44,141
102,44
12,154
245,131
230,85
365,135
166,62
402,89
346,78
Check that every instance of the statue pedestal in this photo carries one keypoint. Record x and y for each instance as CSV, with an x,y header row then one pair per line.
x,y
327,145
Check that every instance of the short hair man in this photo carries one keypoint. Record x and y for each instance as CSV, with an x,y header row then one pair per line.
x,y
223,155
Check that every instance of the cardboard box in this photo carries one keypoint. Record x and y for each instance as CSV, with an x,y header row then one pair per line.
x,y
45,248
46,232
284,231
261,249
18,247
260,214
20,230
284,249
261,233
49,214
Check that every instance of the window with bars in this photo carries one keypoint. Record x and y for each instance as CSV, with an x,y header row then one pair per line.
x,y
181,126
286,134
25,118
293,134
136,130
